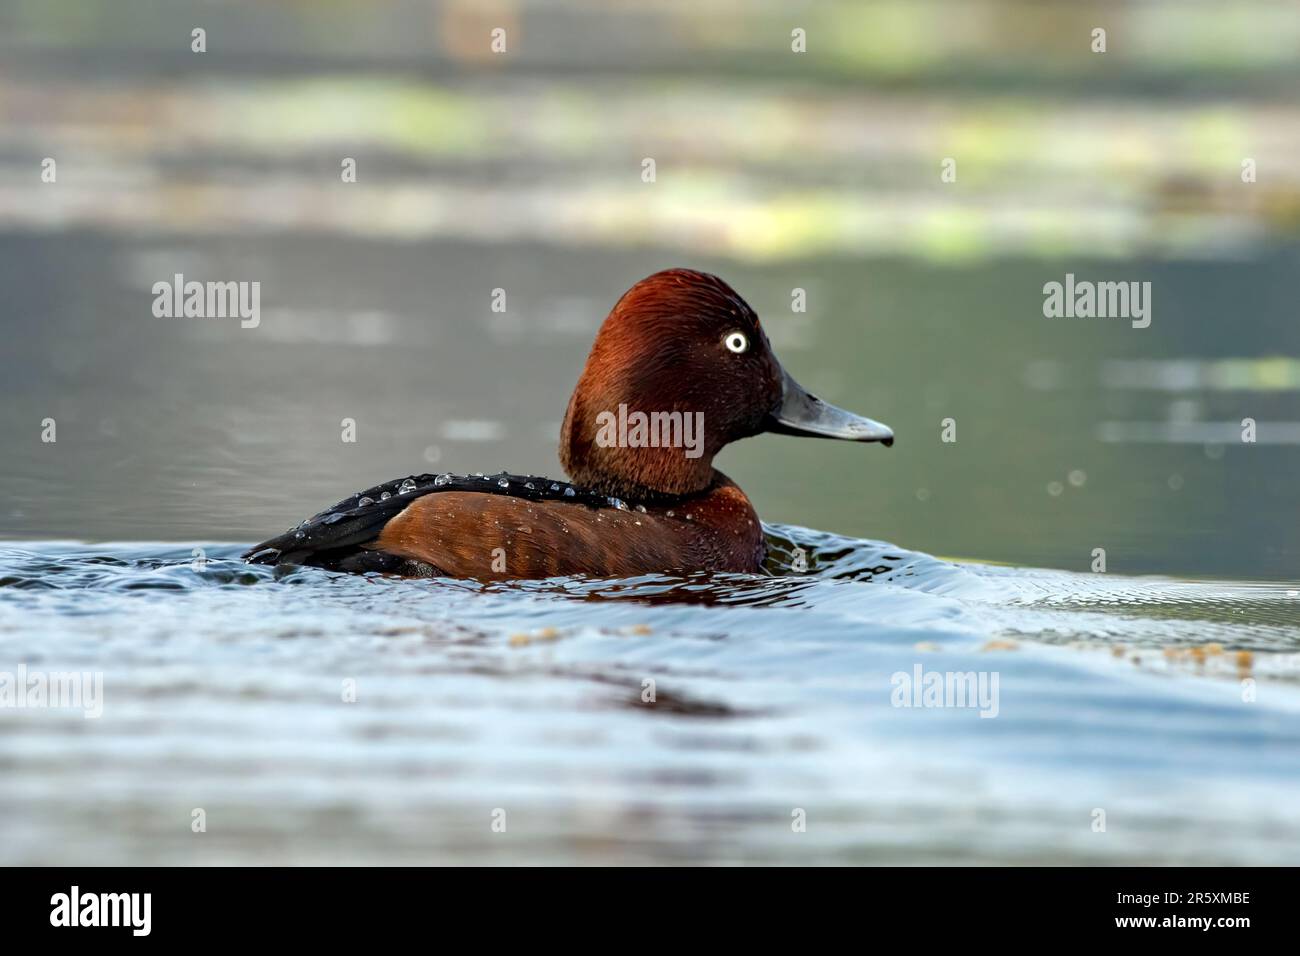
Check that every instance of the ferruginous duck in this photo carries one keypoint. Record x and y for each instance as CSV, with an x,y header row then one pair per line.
x,y
679,369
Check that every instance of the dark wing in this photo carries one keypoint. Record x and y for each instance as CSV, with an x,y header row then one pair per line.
x,y
338,537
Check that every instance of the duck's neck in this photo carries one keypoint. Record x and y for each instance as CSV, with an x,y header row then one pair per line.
x,y
599,450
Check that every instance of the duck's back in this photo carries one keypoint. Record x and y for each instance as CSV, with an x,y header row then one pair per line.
x,y
500,527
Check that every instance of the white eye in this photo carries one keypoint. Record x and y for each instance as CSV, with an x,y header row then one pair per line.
x,y
736,342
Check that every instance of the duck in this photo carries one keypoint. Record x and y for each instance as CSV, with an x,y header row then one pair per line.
x,y
680,368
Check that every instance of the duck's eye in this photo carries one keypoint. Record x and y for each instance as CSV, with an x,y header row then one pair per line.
x,y
736,342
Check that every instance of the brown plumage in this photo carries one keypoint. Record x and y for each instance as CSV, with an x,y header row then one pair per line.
x,y
680,348
465,536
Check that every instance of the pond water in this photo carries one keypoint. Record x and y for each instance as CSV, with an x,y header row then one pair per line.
x,y
316,718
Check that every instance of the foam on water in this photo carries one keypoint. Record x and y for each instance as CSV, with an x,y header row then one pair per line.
x,y
223,690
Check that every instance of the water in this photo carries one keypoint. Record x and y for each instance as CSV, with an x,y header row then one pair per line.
x,y
224,686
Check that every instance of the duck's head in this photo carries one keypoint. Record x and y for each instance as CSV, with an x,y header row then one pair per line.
x,y
688,354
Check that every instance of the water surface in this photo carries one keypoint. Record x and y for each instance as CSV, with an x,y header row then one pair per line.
x,y
225,685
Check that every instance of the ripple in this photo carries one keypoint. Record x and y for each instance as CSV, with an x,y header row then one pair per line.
x,y
676,717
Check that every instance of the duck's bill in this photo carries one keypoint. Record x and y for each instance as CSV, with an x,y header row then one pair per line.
x,y
803,414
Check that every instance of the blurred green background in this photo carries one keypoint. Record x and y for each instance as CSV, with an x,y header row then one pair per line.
x,y
777,170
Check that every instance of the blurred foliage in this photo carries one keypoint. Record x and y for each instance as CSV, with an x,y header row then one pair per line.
x,y
761,153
